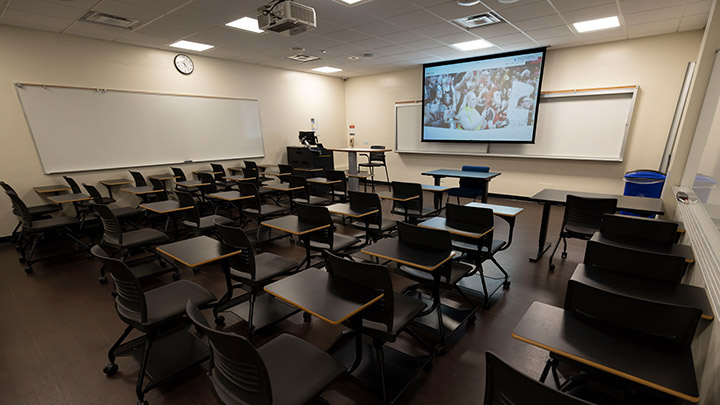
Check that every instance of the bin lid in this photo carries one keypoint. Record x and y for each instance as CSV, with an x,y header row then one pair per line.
x,y
644,175
701,178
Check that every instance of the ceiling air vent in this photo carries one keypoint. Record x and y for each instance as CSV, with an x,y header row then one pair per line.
x,y
107,19
303,58
477,20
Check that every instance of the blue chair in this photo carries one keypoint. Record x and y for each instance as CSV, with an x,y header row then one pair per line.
x,y
469,188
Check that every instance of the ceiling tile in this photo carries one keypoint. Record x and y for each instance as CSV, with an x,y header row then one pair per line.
x,y
563,41
570,5
451,10
325,28
552,32
316,42
166,31
438,30
605,39
394,50
372,43
247,8
348,36
386,8
404,37
540,22
497,6
48,9
186,23
130,11
98,31
343,50
446,52
415,19
602,34
635,6
654,15
510,39
426,3
495,30
138,38
379,28
591,13
525,11
84,4
455,38
204,13
701,7
222,36
654,26
162,5
690,27
423,44
694,20
36,21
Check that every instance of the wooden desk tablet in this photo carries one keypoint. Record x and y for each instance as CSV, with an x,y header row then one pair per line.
x,y
295,226
651,290
164,207
196,251
141,190
388,195
359,175
353,181
163,177
230,196
439,174
69,198
190,183
277,174
673,249
441,224
499,210
549,197
206,171
281,187
345,210
437,194
305,169
664,369
110,183
332,299
51,189
394,250
265,166
235,169
238,178
322,180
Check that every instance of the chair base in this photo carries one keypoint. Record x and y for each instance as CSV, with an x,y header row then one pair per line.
x,y
453,317
267,310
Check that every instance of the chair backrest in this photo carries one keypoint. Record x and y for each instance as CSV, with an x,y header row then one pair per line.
x,y
179,174
646,229
360,201
470,219
249,189
252,173
234,238
587,212
20,209
504,385
130,297
216,167
634,262
319,215
236,369
402,190
208,178
668,322
333,175
138,178
6,186
377,156
300,181
476,184
159,185
186,200
73,185
284,169
250,164
425,238
371,275
94,193
112,230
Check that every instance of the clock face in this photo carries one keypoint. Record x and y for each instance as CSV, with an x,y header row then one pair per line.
x,y
184,64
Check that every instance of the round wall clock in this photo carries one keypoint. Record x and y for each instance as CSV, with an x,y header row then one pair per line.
x,y
184,64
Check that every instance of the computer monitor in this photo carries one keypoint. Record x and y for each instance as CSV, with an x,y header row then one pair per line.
x,y
308,138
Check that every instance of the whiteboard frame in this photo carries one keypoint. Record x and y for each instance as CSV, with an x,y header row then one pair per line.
x,y
19,86
544,95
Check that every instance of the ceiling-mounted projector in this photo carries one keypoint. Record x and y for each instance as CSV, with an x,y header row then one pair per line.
x,y
286,16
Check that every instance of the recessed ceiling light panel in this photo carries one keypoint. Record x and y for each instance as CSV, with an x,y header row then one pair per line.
x,y
595,25
245,23
303,58
473,45
477,20
193,46
327,69
468,3
353,2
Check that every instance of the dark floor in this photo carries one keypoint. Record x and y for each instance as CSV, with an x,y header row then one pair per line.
x,y
57,325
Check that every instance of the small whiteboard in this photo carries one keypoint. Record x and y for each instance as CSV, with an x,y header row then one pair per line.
x,y
583,124
78,129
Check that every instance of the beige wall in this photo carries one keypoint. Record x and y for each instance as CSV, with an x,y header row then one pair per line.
x,y
657,64
288,99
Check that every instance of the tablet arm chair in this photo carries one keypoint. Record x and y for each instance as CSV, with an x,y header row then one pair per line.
x,y
286,370
302,194
250,164
36,212
138,178
412,210
219,176
337,191
375,159
194,220
248,270
374,224
581,220
149,312
254,208
326,238
470,188
122,213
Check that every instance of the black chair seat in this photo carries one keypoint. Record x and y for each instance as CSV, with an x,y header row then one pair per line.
x,y
340,242
425,212
313,200
386,225
286,359
208,222
124,212
43,209
52,223
168,302
459,270
580,232
265,209
373,164
142,237
497,244
267,266
406,309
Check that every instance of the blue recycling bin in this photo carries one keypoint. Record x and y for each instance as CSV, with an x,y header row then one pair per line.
x,y
702,186
644,183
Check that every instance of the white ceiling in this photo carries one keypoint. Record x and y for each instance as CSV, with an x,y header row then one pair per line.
x,y
400,33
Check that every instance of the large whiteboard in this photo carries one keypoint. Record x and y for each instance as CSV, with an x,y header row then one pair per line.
x,y
77,129
587,125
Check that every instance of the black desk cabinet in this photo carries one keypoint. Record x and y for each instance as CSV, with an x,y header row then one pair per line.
x,y
303,158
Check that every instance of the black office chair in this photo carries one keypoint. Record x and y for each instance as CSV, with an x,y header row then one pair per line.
x,y
337,191
636,263
303,195
179,177
254,174
285,169
412,210
250,164
220,175
36,230
138,178
376,226
469,188
387,318
248,270
36,212
504,385
375,159
581,220
124,243
194,220
286,370
152,313
327,238
82,208
120,212
254,208
158,185
639,228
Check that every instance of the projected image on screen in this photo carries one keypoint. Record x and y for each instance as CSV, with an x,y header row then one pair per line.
x,y
487,99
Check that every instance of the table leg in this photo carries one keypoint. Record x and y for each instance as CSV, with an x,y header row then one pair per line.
x,y
306,241
353,182
109,189
485,192
437,180
542,238
438,195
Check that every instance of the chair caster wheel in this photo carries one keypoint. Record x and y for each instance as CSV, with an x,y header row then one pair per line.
x,y
28,270
220,320
110,369
176,276
21,259
113,294
439,350
102,280
506,284
307,317
143,402
552,267
472,320
564,255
